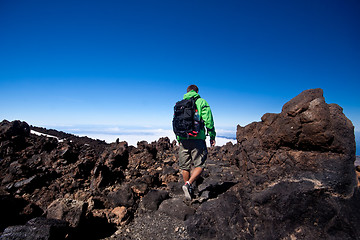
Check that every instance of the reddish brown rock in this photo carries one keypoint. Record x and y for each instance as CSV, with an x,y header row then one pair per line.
x,y
298,178
290,176
68,210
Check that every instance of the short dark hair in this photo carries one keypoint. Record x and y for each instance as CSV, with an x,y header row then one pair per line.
x,y
193,87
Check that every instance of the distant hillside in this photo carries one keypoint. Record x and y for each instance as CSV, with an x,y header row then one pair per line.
x,y
98,145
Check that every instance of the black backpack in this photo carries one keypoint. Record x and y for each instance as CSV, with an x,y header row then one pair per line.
x,y
184,124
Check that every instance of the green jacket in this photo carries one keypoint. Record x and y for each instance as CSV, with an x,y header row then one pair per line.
x,y
205,114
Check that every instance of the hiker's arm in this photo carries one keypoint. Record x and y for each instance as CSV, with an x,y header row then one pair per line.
x,y
207,116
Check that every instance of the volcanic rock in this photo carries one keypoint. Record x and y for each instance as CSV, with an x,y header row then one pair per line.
x,y
12,137
175,207
109,167
124,196
71,211
298,179
13,129
16,211
153,199
37,228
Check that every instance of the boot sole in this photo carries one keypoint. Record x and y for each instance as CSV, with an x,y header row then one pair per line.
x,y
186,192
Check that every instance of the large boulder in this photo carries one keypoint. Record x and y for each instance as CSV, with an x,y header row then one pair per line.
x,y
14,128
37,228
175,207
12,137
71,211
297,178
123,196
153,199
16,211
309,139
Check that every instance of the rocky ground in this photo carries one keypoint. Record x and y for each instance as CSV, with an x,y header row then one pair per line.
x,y
290,176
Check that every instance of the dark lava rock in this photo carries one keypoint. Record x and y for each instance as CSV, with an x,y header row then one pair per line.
x,y
109,167
290,176
98,145
297,178
37,228
16,211
13,129
124,196
71,211
175,207
12,137
229,223
152,200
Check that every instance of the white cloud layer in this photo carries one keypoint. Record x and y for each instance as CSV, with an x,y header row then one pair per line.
x,y
132,135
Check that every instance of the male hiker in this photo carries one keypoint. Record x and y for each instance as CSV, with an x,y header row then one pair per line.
x,y
192,145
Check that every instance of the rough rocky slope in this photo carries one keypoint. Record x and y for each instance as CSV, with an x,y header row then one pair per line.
x,y
290,176
297,178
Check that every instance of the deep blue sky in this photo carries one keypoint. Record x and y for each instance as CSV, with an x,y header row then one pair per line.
x,y
128,62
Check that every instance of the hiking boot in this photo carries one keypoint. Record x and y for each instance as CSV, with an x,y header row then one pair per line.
x,y
188,190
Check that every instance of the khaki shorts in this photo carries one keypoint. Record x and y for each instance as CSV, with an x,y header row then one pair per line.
x,y
192,151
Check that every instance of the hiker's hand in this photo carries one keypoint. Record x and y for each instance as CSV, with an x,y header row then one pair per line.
x,y
212,142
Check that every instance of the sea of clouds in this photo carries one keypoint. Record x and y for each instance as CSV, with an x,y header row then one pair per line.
x,y
133,135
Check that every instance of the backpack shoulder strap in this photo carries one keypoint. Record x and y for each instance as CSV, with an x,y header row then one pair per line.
x,y
196,98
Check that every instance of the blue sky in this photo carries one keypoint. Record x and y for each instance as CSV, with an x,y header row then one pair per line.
x,y
126,63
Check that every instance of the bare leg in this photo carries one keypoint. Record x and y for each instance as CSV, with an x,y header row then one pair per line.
x,y
195,174
186,175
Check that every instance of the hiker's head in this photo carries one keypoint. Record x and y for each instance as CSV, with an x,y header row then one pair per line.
x,y
193,87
